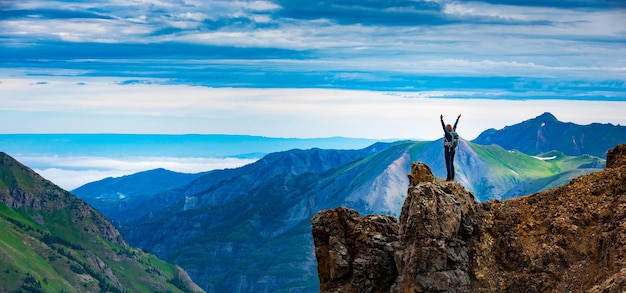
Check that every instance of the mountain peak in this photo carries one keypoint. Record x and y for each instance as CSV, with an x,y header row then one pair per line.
x,y
9,162
545,133
21,187
547,116
445,241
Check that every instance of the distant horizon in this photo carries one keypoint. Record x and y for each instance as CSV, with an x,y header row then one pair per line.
x,y
484,121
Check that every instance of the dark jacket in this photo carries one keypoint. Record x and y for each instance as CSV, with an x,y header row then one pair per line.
x,y
447,133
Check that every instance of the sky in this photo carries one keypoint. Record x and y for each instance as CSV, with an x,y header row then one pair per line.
x,y
287,68
292,68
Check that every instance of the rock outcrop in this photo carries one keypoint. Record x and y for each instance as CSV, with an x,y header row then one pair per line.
x,y
568,239
436,222
355,254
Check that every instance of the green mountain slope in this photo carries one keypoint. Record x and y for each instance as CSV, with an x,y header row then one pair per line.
x,y
50,241
492,172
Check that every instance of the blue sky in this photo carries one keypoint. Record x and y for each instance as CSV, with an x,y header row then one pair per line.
x,y
287,68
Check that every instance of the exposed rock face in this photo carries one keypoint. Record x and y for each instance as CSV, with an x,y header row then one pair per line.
x,y
420,172
568,239
425,252
436,222
355,254
616,157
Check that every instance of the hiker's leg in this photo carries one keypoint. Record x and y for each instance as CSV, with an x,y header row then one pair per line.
x,y
448,162
452,164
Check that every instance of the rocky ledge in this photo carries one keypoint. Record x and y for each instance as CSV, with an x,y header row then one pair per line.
x,y
567,239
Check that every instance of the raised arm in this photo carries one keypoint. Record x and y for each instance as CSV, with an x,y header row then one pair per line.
x,y
455,123
443,125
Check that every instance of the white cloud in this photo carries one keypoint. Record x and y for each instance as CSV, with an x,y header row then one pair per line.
x,y
196,16
105,107
259,5
72,172
92,30
555,42
490,10
72,179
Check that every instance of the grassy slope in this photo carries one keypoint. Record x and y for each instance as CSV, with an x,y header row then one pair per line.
x,y
60,262
48,249
503,163
527,174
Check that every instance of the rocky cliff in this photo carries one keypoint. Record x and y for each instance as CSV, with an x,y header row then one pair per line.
x,y
568,239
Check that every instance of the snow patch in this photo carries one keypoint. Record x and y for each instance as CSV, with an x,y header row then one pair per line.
x,y
190,202
514,172
544,158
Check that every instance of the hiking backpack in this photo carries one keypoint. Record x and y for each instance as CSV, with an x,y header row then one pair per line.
x,y
455,140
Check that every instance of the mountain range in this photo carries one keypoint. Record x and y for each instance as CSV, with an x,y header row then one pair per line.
x,y
248,228
51,241
545,133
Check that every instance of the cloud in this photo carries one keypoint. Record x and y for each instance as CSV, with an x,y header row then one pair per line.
x,y
71,172
344,27
569,4
134,164
158,41
158,22
103,106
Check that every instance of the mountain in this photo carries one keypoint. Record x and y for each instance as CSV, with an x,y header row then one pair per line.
x,y
127,196
136,185
54,242
294,162
567,239
245,229
248,228
545,133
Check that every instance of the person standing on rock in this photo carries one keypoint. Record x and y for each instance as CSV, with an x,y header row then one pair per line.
x,y
450,141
